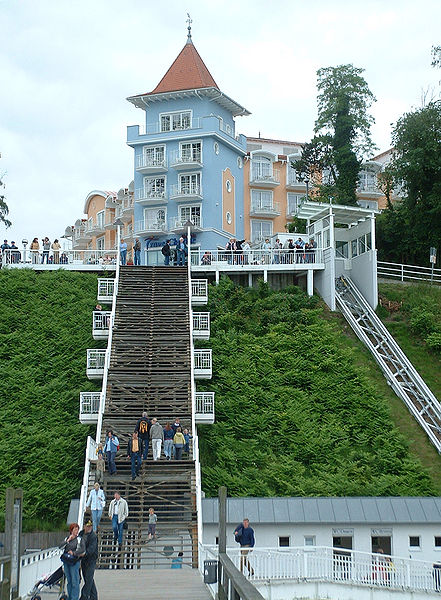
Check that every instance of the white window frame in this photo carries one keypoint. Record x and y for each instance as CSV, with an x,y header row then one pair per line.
x,y
99,240
260,222
171,114
297,202
187,142
415,548
148,209
190,206
285,537
100,216
152,178
261,159
309,537
156,147
257,198
194,173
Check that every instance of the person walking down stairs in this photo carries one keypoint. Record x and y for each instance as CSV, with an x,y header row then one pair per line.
x,y
157,437
134,450
143,430
118,513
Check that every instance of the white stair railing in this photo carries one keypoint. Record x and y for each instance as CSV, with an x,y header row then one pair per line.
x,y
397,368
92,444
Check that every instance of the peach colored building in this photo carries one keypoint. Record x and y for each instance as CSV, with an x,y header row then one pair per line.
x,y
97,229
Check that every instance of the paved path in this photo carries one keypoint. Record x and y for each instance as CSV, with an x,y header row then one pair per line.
x,y
151,584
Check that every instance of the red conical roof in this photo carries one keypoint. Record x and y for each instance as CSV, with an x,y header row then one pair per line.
x,y
187,72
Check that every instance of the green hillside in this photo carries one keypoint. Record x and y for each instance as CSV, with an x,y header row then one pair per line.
x,y
297,412
301,408
45,329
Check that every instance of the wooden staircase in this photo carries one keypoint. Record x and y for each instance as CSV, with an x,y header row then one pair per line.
x,y
150,369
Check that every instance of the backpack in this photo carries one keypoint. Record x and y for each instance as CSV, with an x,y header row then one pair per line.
x,y
143,427
165,250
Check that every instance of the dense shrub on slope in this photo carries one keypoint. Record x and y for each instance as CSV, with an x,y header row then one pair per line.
x,y
294,415
45,329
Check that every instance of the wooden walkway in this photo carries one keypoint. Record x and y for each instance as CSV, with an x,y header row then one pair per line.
x,y
151,584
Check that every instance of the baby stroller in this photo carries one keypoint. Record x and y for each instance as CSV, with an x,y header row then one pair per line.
x,y
50,581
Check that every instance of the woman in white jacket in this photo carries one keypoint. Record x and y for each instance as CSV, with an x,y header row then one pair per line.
x,y
97,502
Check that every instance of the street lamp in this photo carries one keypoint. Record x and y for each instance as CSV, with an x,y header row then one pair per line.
x,y
25,243
118,223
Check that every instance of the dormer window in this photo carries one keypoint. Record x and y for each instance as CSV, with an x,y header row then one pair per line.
x,y
175,121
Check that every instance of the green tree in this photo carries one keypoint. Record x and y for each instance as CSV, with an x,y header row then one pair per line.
x,y
342,133
4,210
412,225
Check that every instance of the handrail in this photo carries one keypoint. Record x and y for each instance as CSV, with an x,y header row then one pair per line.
x,y
408,272
84,487
229,574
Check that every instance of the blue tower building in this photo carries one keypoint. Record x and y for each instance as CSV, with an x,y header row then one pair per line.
x,y
188,160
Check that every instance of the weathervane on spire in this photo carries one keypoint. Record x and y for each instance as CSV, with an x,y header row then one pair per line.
x,y
189,21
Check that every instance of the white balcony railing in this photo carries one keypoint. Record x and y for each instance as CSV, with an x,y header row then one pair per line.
x,y
199,291
264,208
59,260
227,259
95,363
151,163
204,407
265,176
147,226
152,128
105,289
202,364
150,194
201,325
368,187
338,565
293,179
89,406
186,191
179,158
180,223
101,324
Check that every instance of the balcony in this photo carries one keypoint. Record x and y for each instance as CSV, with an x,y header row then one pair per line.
x,y
96,227
204,408
264,209
81,236
186,192
95,363
150,196
268,178
149,164
105,289
147,226
127,207
89,407
185,160
293,181
368,188
199,291
178,225
101,324
201,325
202,364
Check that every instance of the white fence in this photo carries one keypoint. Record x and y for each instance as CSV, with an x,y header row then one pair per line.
x,y
38,259
199,291
101,320
201,325
204,407
105,289
89,406
34,566
230,258
202,364
403,272
321,563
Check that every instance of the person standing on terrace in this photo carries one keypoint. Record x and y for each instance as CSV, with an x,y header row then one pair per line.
x,y
35,249
137,252
123,251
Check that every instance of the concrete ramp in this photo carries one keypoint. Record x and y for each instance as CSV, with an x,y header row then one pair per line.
x,y
151,584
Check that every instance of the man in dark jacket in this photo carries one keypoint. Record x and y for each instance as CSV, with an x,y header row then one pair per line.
x,y
134,449
88,562
244,535
143,430
166,251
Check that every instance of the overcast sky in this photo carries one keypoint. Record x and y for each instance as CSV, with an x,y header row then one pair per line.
x,y
67,66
